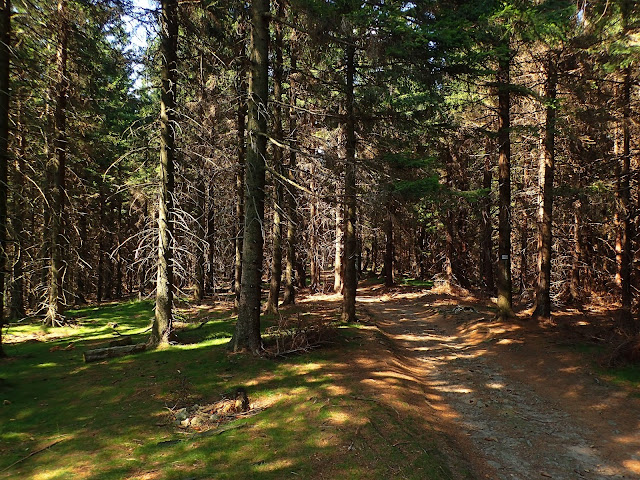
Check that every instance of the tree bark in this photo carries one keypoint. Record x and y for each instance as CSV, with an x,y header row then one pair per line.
x,y
388,252
574,285
276,255
338,268
625,256
545,209
241,93
198,288
55,306
486,229
5,66
112,352
505,304
162,324
247,331
17,288
291,196
350,277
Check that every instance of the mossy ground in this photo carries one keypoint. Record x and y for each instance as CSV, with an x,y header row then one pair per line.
x,y
112,419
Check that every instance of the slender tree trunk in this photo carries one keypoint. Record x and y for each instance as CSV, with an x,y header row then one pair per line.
x,y
161,329
247,332
118,276
17,288
5,66
55,308
82,252
211,238
350,277
198,290
505,305
292,198
241,93
486,229
276,255
338,269
574,285
545,209
389,250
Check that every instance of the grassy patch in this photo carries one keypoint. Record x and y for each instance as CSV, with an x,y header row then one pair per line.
x,y
112,420
416,282
627,375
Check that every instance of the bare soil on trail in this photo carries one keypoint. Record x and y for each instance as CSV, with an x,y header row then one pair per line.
x,y
523,401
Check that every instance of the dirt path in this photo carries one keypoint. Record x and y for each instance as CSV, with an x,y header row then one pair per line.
x,y
527,405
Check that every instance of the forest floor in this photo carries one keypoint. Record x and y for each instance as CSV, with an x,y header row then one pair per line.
x,y
428,385
525,401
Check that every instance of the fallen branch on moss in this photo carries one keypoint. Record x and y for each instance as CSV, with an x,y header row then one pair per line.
x,y
112,352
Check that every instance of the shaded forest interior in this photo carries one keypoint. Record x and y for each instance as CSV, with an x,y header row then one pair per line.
x,y
306,145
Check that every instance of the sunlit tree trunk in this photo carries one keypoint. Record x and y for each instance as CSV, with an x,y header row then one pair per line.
x,y
486,227
505,307
55,306
350,277
162,324
545,209
338,268
247,331
5,48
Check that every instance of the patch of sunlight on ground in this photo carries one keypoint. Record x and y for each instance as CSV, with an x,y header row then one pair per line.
x,y
337,390
495,385
633,465
333,297
48,364
369,299
339,417
308,367
52,474
275,465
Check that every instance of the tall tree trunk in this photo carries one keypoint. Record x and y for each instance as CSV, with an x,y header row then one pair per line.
x,y
291,196
17,288
241,93
276,255
505,305
55,307
486,229
350,277
625,257
5,49
247,331
545,201
162,324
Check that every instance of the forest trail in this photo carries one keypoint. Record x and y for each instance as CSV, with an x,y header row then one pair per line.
x,y
522,401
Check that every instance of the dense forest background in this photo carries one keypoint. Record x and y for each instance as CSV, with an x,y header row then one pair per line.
x,y
490,145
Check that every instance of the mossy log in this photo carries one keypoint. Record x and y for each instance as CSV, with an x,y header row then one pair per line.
x,y
112,352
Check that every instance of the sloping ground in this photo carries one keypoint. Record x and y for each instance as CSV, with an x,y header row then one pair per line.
x,y
527,402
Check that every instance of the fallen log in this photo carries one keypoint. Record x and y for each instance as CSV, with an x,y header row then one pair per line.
x,y
121,342
112,352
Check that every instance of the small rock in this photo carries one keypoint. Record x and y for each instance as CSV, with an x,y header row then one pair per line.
x,y
198,420
185,422
6,402
181,414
